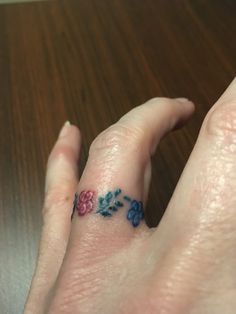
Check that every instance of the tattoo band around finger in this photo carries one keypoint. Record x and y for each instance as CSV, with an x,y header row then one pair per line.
x,y
107,205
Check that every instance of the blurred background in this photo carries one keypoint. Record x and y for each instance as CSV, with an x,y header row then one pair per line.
x,y
16,1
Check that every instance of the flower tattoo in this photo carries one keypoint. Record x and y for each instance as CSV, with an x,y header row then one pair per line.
x,y
84,202
135,213
108,204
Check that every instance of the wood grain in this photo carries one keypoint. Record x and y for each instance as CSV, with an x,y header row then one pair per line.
x,y
90,61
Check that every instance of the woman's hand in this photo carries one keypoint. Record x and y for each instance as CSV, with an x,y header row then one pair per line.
x,y
106,260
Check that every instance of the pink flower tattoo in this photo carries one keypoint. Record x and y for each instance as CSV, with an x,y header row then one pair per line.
x,y
84,203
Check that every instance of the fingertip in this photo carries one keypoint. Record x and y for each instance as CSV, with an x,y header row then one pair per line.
x,y
67,146
186,109
67,129
64,130
62,164
187,104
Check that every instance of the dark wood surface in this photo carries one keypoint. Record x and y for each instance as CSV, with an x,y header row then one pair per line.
x,y
90,61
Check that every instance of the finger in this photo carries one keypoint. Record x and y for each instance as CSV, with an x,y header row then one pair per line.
x,y
115,176
119,158
200,220
61,182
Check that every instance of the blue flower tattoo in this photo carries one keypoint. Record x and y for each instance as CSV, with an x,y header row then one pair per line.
x,y
135,213
111,202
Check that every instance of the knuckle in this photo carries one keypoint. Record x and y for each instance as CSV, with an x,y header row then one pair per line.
x,y
221,121
61,154
117,137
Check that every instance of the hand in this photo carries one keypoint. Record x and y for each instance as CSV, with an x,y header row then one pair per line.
x,y
107,261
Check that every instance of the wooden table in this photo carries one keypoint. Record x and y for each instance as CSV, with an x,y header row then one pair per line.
x,y
90,61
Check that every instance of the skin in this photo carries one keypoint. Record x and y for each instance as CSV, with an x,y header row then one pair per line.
x,y
185,265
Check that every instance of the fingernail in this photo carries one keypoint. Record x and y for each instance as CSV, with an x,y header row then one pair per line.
x,y
64,129
181,99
